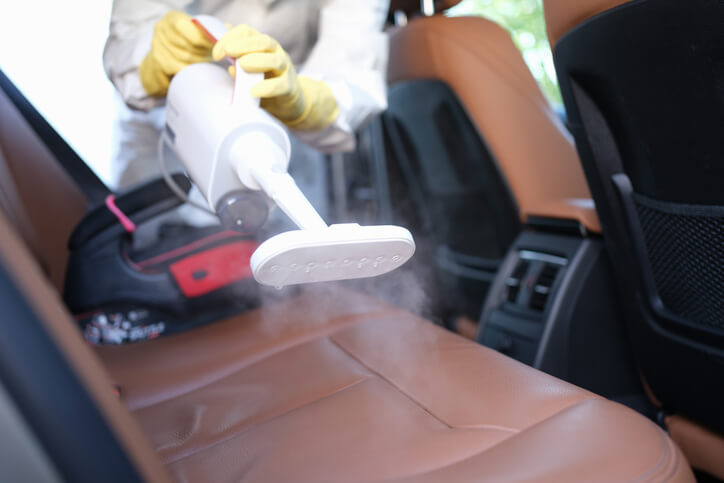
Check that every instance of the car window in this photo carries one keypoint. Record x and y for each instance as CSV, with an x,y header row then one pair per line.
x,y
524,20
55,59
52,52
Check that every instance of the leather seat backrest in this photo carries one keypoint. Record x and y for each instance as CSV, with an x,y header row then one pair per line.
x,y
479,61
41,200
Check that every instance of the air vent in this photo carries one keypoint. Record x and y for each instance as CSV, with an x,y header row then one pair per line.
x,y
542,286
516,279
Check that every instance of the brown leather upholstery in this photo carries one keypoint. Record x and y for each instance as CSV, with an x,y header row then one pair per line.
x,y
479,61
332,386
703,448
562,15
336,386
26,273
36,193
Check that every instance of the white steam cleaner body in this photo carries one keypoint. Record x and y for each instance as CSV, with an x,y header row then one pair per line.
x,y
233,151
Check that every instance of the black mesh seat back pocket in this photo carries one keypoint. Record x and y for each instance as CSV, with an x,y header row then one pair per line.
x,y
685,245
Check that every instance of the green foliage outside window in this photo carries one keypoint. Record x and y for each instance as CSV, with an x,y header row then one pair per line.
x,y
524,20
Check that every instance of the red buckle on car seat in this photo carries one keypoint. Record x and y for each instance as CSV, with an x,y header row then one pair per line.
x,y
214,268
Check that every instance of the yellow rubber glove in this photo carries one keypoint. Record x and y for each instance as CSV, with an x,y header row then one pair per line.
x,y
176,43
299,102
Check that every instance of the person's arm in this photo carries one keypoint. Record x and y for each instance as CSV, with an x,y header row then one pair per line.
x,y
128,43
351,57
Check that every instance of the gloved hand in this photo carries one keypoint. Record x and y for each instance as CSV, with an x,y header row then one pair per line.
x,y
176,43
299,102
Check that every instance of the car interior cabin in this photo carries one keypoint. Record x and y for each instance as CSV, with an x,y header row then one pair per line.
x,y
561,319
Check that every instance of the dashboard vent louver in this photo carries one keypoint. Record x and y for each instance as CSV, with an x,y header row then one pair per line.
x,y
515,280
543,286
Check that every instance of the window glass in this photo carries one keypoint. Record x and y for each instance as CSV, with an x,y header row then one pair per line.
x,y
53,52
524,20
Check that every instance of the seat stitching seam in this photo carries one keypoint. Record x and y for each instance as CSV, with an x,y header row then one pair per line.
x,y
264,355
495,67
573,406
677,459
474,455
491,426
648,475
491,57
378,374
495,427
273,418
433,53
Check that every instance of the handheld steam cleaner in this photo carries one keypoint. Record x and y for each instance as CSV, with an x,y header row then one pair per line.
x,y
234,151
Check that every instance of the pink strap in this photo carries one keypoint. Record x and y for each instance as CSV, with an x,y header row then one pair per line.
x,y
129,226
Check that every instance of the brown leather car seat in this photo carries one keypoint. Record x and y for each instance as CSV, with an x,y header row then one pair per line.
x,y
479,61
643,92
337,387
331,386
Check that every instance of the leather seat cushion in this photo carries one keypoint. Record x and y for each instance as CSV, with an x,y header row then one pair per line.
x,y
337,386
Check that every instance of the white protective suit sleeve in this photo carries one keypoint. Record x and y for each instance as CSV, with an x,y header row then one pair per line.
x,y
128,42
350,55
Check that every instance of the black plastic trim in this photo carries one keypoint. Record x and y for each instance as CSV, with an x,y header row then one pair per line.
x,y
642,87
52,400
557,225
